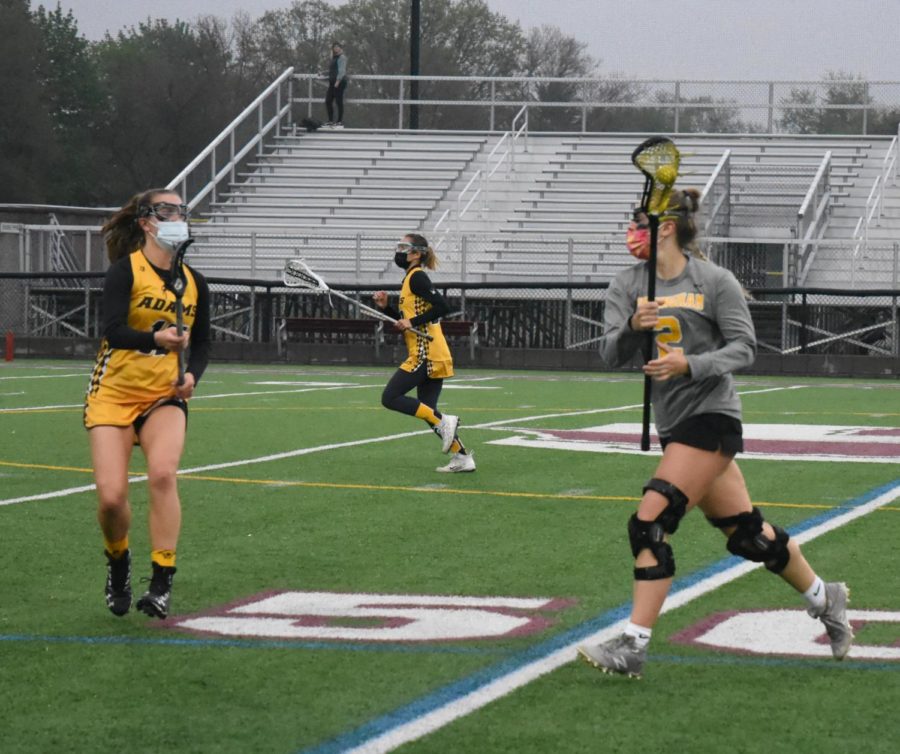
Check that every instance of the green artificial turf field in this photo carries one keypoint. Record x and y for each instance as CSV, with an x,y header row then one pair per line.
x,y
296,480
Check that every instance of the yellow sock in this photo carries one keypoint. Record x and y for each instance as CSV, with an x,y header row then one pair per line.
x,y
457,446
427,413
164,558
116,549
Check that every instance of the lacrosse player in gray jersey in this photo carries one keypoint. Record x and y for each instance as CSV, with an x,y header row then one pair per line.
x,y
702,332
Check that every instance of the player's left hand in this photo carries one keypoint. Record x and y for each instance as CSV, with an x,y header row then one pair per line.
x,y
403,325
671,363
186,389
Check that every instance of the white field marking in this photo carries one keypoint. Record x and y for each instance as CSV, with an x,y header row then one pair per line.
x,y
20,392
303,383
226,465
791,632
341,386
277,392
462,386
46,376
524,674
306,451
588,411
39,408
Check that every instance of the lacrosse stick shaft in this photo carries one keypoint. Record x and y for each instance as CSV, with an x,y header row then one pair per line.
x,y
176,285
377,313
179,328
653,222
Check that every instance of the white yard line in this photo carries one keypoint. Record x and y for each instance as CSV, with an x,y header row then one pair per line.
x,y
85,375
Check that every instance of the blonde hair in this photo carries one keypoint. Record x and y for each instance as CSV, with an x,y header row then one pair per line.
x,y
429,258
122,233
684,204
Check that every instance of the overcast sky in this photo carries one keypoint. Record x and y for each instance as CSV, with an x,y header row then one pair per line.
x,y
691,39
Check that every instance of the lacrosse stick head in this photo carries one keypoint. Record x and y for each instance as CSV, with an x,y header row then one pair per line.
x,y
658,159
176,282
297,274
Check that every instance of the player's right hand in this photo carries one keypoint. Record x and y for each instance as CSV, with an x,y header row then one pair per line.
x,y
169,339
646,317
380,298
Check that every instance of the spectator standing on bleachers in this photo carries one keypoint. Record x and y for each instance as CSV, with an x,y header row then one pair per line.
x,y
135,396
702,332
337,84
429,361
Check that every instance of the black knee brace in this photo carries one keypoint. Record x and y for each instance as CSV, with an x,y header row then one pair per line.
x,y
748,540
650,535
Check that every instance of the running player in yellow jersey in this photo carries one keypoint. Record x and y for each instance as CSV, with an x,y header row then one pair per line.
x,y
429,361
134,396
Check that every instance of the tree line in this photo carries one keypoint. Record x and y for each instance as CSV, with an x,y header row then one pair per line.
x,y
89,123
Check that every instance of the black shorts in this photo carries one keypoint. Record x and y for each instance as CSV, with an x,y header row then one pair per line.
x,y
173,401
710,432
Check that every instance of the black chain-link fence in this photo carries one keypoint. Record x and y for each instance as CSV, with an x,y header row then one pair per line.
x,y
532,315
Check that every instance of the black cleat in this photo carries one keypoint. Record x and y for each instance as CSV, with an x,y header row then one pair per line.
x,y
155,601
118,583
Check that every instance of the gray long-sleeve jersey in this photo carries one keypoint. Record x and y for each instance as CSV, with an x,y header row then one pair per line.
x,y
704,313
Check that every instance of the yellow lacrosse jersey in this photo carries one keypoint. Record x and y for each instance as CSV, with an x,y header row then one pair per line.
x,y
435,353
138,378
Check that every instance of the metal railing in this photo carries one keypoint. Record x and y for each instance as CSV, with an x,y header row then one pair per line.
x,y
201,178
716,199
761,106
366,257
812,219
874,207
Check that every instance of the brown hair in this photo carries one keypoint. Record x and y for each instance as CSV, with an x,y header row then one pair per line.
x,y
429,259
121,232
683,207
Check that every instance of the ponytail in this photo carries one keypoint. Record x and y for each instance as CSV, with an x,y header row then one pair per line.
x,y
429,258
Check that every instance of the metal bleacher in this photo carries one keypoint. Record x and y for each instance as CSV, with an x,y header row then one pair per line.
x,y
558,209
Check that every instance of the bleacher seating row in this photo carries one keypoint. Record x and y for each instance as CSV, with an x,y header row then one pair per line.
x,y
343,198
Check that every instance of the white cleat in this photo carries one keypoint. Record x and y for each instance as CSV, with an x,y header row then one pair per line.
x,y
618,655
459,463
447,429
834,618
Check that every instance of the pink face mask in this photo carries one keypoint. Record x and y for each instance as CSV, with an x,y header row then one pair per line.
x,y
638,242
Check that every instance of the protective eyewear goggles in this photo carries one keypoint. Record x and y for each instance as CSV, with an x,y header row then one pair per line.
x,y
167,211
406,247
639,219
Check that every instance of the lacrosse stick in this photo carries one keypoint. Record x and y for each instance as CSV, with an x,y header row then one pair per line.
x,y
658,159
176,285
297,274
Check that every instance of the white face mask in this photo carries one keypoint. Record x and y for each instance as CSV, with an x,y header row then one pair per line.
x,y
171,234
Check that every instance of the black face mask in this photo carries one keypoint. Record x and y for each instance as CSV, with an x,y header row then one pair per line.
x,y
400,260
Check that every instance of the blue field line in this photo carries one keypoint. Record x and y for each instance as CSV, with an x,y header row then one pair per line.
x,y
458,689
256,644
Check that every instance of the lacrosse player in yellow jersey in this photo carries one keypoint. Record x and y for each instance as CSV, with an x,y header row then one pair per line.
x,y
429,361
137,395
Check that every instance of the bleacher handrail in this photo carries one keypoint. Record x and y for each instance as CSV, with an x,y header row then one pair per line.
x,y
812,217
520,132
438,235
476,192
718,190
874,206
889,167
282,108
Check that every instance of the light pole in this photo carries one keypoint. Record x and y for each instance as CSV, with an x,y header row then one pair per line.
x,y
414,63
